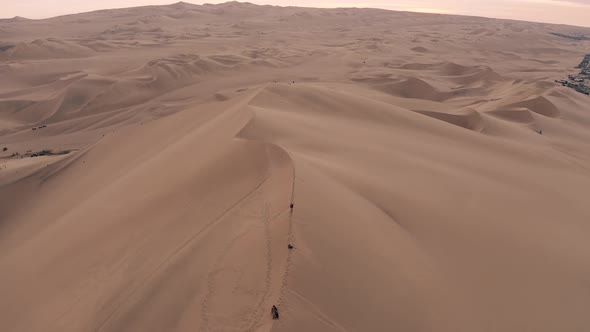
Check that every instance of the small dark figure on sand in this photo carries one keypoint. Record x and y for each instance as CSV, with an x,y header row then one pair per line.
x,y
540,132
275,312
292,206
290,246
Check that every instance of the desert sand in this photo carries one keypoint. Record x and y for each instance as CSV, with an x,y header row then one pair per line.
x,y
175,138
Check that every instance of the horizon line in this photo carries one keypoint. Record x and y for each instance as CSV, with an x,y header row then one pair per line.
x,y
20,17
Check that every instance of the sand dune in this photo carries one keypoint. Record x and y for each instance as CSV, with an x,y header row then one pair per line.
x,y
152,154
540,105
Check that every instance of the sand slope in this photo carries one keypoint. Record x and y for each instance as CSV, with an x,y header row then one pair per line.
x,y
173,139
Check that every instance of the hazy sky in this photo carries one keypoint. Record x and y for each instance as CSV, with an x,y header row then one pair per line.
x,y
575,12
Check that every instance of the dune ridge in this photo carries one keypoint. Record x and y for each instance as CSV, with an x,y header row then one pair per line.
x,y
439,176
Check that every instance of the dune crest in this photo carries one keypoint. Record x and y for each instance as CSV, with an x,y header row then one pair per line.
x,y
149,158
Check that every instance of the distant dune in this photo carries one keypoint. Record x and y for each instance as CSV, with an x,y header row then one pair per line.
x,y
149,157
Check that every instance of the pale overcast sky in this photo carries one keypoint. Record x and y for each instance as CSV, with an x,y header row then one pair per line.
x,y
575,12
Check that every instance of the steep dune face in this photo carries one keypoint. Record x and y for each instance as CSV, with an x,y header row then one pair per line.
x,y
152,154
540,105
233,219
349,194
413,88
50,48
